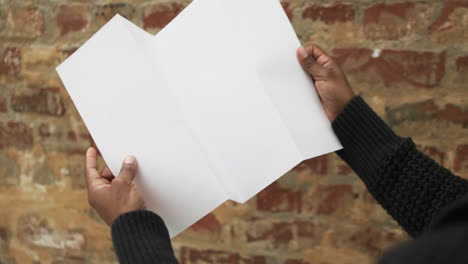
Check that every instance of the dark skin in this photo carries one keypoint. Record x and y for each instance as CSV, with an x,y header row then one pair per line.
x,y
112,196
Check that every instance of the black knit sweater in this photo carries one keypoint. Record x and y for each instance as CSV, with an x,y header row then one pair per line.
x,y
427,200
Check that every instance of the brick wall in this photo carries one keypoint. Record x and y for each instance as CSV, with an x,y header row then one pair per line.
x,y
408,59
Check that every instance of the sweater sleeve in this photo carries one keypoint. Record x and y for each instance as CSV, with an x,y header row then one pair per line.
x,y
410,186
142,237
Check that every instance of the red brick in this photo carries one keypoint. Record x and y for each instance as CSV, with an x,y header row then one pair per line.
x,y
393,21
192,255
374,13
4,234
3,105
11,62
461,159
46,101
279,234
329,14
462,64
308,229
209,223
287,9
103,13
344,169
443,22
332,196
15,134
72,18
59,138
160,15
317,165
419,69
435,154
368,240
427,110
24,22
275,198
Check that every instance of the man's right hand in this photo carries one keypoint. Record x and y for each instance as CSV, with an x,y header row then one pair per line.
x,y
330,81
111,196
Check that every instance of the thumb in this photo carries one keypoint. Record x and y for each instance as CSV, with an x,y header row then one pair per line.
x,y
129,169
314,61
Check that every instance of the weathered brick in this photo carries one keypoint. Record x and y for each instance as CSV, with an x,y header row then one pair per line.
x,y
395,20
461,159
35,230
192,255
43,151
308,229
11,62
47,101
419,69
270,234
3,105
104,13
332,197
317,165
43,175
55,137
462,64
287,9
329,14
23,22
427,110
275,198
4,235
74,170
208,223
450,26
435,153
72,18
443,22
276,233
158,16
9,170
15,134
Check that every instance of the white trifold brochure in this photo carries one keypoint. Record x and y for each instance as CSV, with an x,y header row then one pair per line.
x,y
216,106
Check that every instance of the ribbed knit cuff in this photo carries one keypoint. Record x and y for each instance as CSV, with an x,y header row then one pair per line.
x,y
365,137
142,237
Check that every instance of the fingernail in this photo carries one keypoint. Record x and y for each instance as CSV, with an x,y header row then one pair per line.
x,y
130,159
303,53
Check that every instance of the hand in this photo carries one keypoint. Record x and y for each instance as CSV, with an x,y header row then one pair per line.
x,y
331,83
111,196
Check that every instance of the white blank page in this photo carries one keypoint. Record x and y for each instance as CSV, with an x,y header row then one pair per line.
x,y
128,109
244,93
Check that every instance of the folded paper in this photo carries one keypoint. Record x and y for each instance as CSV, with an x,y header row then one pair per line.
x,y
215,106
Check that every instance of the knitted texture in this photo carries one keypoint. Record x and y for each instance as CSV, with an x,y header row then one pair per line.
x,y
409,185
142,237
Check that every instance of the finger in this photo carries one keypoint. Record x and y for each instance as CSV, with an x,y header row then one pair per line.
x,y
91,163
129,168
107,174
317,53
314,60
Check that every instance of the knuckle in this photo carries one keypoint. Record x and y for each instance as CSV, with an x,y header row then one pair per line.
x,y
309,62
